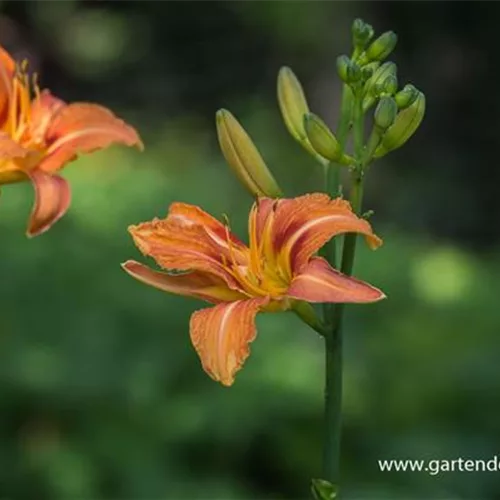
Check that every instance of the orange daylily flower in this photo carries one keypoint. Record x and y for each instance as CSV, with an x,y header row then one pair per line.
x,y
40,134
277,268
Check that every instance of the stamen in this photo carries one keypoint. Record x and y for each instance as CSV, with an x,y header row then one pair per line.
x,y
20,102
13,107
255,263
235,268
35,85
266,242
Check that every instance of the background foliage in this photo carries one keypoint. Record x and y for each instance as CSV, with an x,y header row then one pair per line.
x,y
102,394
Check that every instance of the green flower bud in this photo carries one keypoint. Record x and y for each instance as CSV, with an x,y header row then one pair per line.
x,y
361,33
292,103
385,112
323,490
390,85
375,85
366,73
348,70
380,48
406,97
372,66
406,123
243,157
321,137
377,89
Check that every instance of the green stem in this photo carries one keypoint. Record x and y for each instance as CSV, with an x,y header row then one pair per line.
x,y
333,318
345,115
332,176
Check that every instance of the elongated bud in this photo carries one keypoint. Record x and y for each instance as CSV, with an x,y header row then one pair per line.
x,y
243,157
375,85
406,123
292,103
380,48
385,112
348,70
321,137
406,97
361,33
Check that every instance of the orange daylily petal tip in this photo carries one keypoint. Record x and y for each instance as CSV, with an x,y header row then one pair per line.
x,y
319,282
82,128
221,336
52,199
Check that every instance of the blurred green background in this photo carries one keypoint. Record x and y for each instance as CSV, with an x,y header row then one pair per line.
x,y
101,394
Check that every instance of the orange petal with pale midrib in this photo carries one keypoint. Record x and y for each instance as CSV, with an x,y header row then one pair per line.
x,y
221,336
319,282
43,109
192,284
189,215
83,128
303,225
176,246
52,199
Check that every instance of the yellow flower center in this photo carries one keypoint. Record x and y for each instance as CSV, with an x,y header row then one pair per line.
x,y
16,124
259,272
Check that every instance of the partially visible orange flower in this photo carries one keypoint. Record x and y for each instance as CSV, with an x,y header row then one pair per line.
x,y
40,134
277,268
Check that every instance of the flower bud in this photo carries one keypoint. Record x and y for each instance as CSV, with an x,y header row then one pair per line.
x,y
243,157
366,73
406,97
361,33
321,137
390,85
385,112
323,490
375,85
380,48
348,70
292,103
404,126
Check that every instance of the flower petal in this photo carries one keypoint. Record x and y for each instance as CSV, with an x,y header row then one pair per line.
x,y
83,128
262,210
43,109
52,199
7,69
303,225
189,215
221,336
179,246
193,284
10,149
318,282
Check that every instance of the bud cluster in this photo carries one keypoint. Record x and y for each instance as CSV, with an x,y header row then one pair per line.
x,y
370,83
398,112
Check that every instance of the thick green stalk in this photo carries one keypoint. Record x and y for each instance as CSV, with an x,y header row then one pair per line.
x,y
333,318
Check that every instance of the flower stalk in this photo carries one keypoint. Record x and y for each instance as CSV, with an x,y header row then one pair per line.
x,y
333,315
